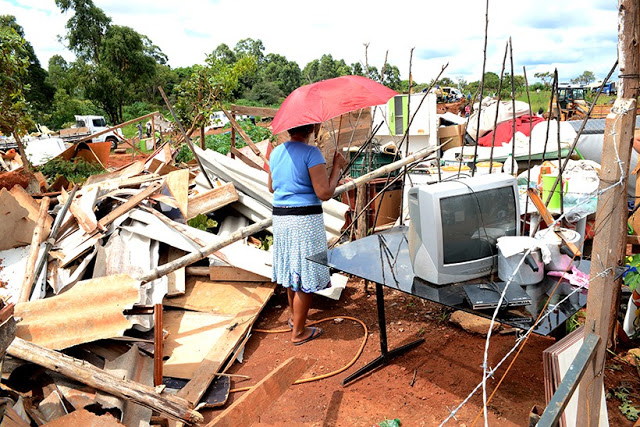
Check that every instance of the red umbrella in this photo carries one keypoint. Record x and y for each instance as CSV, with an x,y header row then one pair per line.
x,y
324,100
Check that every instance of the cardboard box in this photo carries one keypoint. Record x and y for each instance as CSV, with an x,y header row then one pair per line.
x,y
455,131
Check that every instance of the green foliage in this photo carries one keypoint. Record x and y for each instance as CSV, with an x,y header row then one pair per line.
x,y
390,423
202,222
622,393
222,142
585,78
77,170
86,28
632,276
66,107
14,63
266,242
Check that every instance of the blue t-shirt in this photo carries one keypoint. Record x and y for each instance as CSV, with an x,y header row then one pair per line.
x,y
289,164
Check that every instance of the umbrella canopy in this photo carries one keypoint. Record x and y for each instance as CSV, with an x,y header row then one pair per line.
x,y
324,100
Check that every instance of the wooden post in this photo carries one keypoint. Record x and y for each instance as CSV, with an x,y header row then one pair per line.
x,y
233,139
202,125
611,216
153,132
86,373
25,291
157,344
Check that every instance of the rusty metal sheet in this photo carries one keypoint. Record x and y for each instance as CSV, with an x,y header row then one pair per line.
x,y
89,311
84,418
131,366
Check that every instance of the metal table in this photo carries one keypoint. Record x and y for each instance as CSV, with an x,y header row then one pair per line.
x,y
384,259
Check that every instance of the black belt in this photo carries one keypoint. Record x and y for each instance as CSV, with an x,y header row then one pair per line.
x,y
297,210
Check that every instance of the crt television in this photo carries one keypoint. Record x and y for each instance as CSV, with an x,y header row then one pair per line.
x,y
455,225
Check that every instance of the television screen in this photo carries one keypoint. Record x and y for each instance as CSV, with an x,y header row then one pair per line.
x,y
472,223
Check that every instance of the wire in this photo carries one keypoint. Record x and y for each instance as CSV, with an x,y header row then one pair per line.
x,y
323,376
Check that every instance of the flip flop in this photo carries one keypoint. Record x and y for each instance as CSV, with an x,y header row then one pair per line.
x,y
315,333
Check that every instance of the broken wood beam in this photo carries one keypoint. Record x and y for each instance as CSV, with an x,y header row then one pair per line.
x,y
244,158
129,204
212,200
204,252
102,132
247,409
85,373
25,291
157,344
244,136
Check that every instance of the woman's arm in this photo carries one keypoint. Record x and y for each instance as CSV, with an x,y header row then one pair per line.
x,y
323,185
270,182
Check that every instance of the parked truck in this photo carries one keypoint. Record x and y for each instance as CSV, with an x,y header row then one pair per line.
x,y
89,125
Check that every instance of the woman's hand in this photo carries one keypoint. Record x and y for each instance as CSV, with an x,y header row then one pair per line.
x,y
339,162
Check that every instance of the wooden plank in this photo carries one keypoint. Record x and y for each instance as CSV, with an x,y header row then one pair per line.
x,y
129,204
198,271
229,298
191,336
246,410
178,185
211,200
254,111
227,273
38,237
84,418
176,279
102,132
30,204
16,228
212,363
239,154
88,374
608,244
244,136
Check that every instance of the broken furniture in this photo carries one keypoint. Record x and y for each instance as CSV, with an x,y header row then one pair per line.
x,y
390,251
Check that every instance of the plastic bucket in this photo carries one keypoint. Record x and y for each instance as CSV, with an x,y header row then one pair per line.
x,y
547,184
450,171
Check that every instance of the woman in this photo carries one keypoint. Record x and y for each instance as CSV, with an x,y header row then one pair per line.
x,y
299,182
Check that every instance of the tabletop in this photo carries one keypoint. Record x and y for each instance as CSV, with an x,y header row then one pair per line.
x,y
384,258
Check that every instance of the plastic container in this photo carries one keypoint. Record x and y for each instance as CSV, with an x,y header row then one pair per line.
x,y
559,259
547,184
451,171
532,269
361,166
482,168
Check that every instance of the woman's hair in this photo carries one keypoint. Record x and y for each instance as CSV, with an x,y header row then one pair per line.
x,y
303,130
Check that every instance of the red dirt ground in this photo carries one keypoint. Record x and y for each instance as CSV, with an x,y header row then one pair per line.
x,y
447,367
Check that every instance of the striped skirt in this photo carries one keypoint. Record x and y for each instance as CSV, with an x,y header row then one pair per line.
x,y
295,237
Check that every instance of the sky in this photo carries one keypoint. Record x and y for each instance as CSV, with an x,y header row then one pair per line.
x,y
570,35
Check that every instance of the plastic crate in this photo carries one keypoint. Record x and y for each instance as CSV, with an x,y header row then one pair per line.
x,y
362,166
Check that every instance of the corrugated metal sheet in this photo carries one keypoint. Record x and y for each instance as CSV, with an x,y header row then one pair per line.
x,y
89,311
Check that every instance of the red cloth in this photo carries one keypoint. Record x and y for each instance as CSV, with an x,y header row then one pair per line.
x,y
504,131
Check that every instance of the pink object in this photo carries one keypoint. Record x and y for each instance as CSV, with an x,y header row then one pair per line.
x,y
324,100
576,277
504,131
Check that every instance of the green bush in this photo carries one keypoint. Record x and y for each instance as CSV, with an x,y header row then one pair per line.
x,y
76,171
222,142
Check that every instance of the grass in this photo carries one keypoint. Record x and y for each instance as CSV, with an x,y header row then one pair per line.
x,y
541,99
76,171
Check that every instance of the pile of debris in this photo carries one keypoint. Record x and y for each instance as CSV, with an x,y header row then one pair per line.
x,y
77,266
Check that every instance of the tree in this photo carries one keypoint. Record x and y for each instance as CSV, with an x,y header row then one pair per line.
x,y
546,78
86,28
585,78
250,47
14,109
391,77
224,54
124,65
356,69
38,91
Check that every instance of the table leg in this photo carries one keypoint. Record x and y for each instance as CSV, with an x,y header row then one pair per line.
x,y
385,355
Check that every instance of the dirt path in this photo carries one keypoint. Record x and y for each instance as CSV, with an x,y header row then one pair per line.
x,y
447,367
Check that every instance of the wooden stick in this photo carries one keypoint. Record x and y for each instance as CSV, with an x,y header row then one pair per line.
x,y
548,219
129,204
85,373
476,137
192,257
247,409
157,344
37,238
102,132
244,136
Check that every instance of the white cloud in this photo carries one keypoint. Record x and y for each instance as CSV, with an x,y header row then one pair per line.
x,y
572,35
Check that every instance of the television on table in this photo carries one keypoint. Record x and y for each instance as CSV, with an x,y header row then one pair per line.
x,y
455,225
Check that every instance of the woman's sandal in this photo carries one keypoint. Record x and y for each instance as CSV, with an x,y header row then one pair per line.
x,y
315,333
290,323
